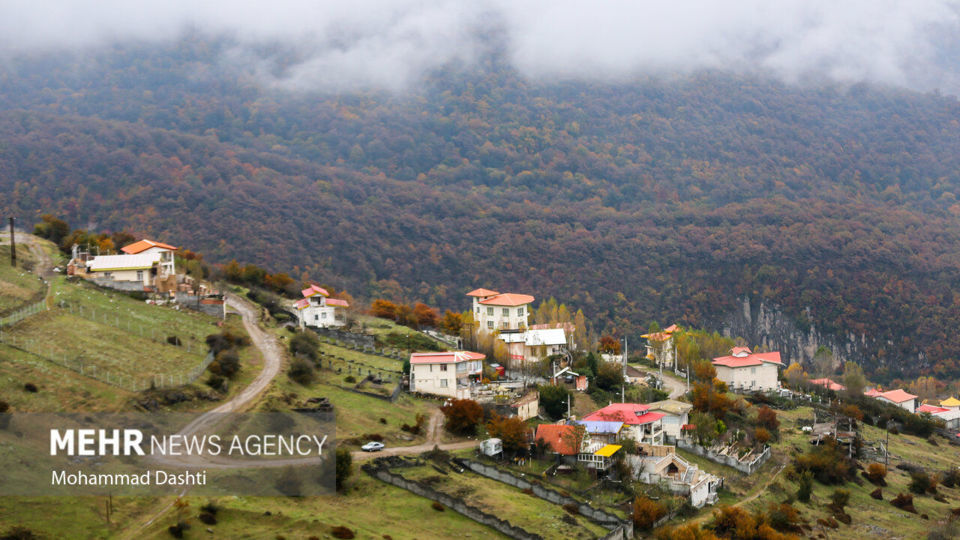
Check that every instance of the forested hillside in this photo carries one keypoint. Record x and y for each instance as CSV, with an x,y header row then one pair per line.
x,y
655,199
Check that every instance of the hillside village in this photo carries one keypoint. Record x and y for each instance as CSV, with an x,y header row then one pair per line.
x,y
639,443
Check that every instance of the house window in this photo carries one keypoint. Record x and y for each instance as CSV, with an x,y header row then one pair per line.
x,y
506,312
323,315
443,367
490,311
478,310
519,312
316,317
753,371
139,275
108,274
490,325
443,383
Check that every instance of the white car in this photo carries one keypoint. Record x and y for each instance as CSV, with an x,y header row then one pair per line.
x,y
372,447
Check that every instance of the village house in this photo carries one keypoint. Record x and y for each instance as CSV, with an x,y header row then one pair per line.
x,y
743,370
535,344
900,398
639,423
560,439
675,415
524,407
574,445
494,311
661,342
602,430
950,417
167,266
951,403
661,465
448,373
317,309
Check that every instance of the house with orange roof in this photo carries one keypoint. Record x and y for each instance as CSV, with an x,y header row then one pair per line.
x,y
318,310
661,343
166,264
744,370
494,311
900,398
447,373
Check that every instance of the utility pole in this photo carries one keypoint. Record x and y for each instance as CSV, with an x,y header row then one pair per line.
x,y
13,244
625,356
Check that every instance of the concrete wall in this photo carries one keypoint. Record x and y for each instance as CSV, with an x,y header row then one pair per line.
x,y
189,301
619,529
729,461
363,341
119,285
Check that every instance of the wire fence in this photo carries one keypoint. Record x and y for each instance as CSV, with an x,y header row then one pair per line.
x,y
23,313
44,348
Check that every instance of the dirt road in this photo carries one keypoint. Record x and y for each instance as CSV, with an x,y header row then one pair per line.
x,y
433,439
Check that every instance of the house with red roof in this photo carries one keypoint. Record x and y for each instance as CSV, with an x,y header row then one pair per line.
x,y
317,309
950,416
900,398
561,439
639,422
446,373
494,311
828,384
747,371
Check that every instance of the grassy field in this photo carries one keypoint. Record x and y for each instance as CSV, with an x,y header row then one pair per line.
x,y
876,518
17,286
511,504
381,327
369,507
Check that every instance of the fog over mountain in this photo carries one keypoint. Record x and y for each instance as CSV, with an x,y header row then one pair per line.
x,y
332,46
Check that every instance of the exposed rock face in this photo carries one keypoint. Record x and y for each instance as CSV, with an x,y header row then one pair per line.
x,y
766,325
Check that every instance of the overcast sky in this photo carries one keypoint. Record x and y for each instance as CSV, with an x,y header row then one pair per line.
x,y
390,43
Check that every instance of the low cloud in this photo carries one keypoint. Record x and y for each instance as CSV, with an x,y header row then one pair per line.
x,y
391,43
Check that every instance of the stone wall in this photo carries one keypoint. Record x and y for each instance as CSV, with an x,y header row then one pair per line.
x,y
362,341
730,461
384,475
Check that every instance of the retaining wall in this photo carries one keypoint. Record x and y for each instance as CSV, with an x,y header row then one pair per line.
x,y
730,461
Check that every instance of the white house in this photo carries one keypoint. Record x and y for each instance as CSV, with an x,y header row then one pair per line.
x,y
127,272
663,343
495,311
747,371
166,266
675,415
639,423
535,344
950,417
900,398
448,373
317,309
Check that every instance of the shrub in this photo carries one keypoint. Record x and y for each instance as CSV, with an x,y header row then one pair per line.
x,y
177,530
207,518
949,479
437,506
4,406
350,379
462,416
301,371
210,507
216,381
383,421
554,399
174,340
761,435
827,462
920,483
30,387
767,418
783,517
344,466
228,362
289,483
305,344
876,472
19,533
904,502
806,487
877,494
646,512
342,532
